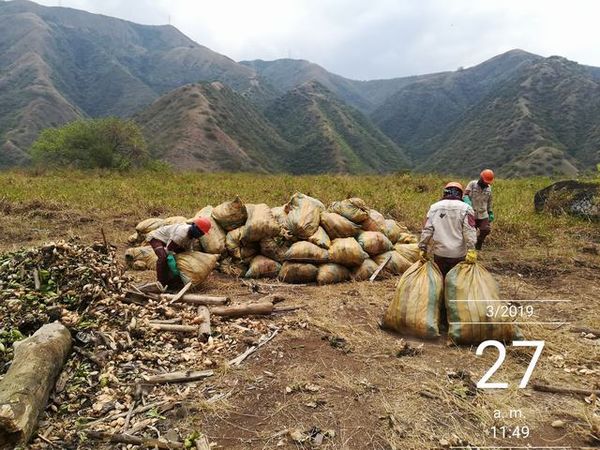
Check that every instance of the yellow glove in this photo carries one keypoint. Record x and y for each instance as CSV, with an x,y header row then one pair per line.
x,y
471,257
423,256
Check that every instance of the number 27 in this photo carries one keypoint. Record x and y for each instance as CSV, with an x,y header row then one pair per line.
x,y
483,383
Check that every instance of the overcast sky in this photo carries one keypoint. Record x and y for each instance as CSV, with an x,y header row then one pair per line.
x,y
366,39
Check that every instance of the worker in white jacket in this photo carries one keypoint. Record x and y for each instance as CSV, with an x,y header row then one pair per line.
x,y
450,229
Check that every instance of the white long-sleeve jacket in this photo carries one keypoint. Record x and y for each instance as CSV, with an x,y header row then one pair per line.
x,y
451,226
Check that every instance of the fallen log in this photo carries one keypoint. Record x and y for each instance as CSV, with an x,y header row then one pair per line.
x,y
179,377
196,299
564,390
204,330
174,327
167,321
133,440
26,386
250,309
585,330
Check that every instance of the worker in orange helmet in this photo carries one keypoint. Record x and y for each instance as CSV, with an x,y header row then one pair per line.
x,y
172,239
450,229
478,194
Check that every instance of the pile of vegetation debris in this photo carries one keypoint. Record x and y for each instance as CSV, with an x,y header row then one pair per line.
x,y
131,345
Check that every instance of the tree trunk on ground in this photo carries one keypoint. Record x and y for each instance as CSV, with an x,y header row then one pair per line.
x,y
251,309
26,386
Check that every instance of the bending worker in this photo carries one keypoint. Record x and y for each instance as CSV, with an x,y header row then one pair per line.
x,y
478,194
450,225
174,239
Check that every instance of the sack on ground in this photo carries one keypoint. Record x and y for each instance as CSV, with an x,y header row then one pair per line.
x,y
417,303
320,238
214,241
332,273
233,267
354,209
230,215
347,252
303,215
260,224
298,272
407,238
274,248
237,249
337,226
174,219
280,216
195,267
375,222
393,230
365,270
469,290
374,242
148,225
408,251
263,267
141,258
134,238
397,264
304,251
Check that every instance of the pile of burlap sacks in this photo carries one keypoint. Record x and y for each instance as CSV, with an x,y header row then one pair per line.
x,y
299,242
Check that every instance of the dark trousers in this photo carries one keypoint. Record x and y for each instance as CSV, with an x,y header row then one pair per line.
x,y
483,225
163,274
446,264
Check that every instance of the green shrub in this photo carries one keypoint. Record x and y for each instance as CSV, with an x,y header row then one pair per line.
x,y
92,143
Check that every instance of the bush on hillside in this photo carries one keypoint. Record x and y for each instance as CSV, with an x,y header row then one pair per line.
x,y
110,143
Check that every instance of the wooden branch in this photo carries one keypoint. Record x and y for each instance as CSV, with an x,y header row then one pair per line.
x,y
380,268
564,389
174,327
133,440
179,377
585,330
180,293
202,443
167,321
104,239
204,330
196,299
239,359
250,309
25,388
287,309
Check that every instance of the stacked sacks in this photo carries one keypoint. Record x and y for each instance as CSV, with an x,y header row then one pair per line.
x,y
302,241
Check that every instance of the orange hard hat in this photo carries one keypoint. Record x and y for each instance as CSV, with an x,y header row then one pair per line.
x,y
487,176
454,184
203,223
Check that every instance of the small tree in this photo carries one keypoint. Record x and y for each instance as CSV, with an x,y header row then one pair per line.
x,y
92,143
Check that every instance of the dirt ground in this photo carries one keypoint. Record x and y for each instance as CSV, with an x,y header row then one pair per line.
x,y
333,379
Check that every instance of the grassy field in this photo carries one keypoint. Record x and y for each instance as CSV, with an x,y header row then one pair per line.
x,y
135,196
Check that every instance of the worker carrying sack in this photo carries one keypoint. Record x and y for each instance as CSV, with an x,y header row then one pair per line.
x,y
195,267
469,290
214,241
230,215
303,215
417,303
354,209
338,226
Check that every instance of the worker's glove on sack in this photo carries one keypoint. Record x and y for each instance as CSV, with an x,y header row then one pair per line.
x,y
467,200
471,257
423,255
491,216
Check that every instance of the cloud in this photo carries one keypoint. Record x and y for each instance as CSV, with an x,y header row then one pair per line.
x,y
375,38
